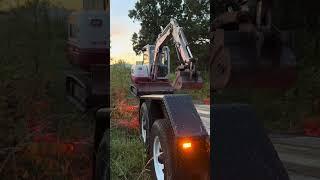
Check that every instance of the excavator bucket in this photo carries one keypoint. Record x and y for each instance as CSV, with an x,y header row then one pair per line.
x,y
240,60
185,81
151,87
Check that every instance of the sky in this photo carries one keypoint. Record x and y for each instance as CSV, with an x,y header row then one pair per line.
x,y
122,28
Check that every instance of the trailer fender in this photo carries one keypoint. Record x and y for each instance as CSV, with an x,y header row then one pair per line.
x,y
180,111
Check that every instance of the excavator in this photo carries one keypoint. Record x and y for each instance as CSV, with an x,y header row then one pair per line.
x,y
152,76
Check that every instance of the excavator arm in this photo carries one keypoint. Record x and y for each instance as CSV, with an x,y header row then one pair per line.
x,y
186,73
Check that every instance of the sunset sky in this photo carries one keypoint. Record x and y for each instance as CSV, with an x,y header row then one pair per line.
x,y
122,28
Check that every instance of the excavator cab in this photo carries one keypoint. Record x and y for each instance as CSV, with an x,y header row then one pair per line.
x,y
142,83
163,63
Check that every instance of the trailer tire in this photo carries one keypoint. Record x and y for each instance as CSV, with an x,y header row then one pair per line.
x,y
162,139
144,124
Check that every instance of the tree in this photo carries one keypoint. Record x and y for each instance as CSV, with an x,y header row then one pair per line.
x,y
192,15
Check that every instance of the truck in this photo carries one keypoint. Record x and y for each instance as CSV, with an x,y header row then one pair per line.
x,y
174,130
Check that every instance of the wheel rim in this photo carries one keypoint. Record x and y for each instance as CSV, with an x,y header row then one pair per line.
x,y
143,130
158,166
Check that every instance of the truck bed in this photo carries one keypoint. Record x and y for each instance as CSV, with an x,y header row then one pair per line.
x,y
204,113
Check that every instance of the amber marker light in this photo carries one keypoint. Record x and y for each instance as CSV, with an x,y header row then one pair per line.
x,y
186,145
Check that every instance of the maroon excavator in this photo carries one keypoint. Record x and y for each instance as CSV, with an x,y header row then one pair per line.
x,y
152,76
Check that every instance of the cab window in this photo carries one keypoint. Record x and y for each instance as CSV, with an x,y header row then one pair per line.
x,y
145,58
164,59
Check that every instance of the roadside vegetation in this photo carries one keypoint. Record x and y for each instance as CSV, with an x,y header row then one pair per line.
x,y
127,153
36,120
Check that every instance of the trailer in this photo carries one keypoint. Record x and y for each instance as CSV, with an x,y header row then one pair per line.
x,y
174,131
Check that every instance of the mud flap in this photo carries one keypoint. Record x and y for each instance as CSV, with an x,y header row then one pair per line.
x,y
241,148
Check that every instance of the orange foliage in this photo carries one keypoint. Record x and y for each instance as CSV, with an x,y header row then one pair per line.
x,y
206,101
312,126
128,116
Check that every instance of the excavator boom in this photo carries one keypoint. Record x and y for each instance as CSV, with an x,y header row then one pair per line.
x,y
186,75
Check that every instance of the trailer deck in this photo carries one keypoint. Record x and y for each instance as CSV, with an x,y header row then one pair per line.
x,y
204,113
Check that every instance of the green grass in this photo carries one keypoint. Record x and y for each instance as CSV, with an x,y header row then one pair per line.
x,y
128,157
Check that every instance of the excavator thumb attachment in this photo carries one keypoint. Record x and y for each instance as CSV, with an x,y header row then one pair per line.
x,y
185,81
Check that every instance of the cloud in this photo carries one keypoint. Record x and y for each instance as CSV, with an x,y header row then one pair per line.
x,y
121,30
129,57
118,30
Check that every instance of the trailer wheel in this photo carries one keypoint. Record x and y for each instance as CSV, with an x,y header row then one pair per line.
x,y
161,151
144,120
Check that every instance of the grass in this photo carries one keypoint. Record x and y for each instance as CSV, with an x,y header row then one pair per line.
x,y
127,153
128,157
